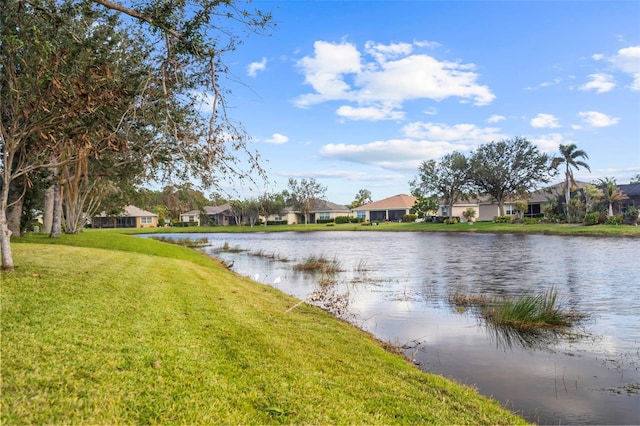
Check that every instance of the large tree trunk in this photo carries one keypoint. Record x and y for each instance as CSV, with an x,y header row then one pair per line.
x,y
14,217
56,223
48,210
5,233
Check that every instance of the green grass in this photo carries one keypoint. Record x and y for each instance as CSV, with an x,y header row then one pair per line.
x,y
530,311
103,328
479,227
319,264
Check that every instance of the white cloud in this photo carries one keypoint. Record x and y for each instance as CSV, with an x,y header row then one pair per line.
x,y
601,83
277,139
544,121
372,113
597,57
549,142
254,67
597,119
385,75
496,118
466,133
627,60
395,154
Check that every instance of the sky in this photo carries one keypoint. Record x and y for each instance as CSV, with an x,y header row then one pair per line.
x,y
356,94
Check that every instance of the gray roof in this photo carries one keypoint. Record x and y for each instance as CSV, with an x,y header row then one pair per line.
x,y
630,190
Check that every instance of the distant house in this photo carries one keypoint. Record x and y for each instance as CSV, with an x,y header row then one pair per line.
x,y
390,209
486,208
320,211
632,191
132,217
210,215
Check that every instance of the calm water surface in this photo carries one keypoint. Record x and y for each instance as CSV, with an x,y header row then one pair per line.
x,y
398,286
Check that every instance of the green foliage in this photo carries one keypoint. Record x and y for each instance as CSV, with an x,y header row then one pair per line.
x,y
591,219
502,219
530,311
452,221
617,219
631,215
409,217
343,219
469,214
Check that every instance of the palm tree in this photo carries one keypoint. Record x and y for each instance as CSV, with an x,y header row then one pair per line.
x,y
612,195
569,155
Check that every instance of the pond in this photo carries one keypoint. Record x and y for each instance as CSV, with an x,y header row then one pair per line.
x,y
398,286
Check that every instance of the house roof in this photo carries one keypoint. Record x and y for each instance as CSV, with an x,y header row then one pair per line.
x,y
327,206
133,211
541,195
400,201
630,190
209,210
130,211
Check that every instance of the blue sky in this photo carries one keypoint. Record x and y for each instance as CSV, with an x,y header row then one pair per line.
x,y
356,94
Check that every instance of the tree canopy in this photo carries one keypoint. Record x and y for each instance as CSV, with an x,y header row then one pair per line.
x,y
80,83
508,168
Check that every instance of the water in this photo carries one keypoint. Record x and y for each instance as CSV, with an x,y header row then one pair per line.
x,y
398,286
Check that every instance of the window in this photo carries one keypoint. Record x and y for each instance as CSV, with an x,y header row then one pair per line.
x,y
510,209
324,216
361,214
146,220
192,218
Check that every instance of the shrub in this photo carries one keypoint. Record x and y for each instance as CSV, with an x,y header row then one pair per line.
x,y
325,220
276,222
356,220
502,219
591,219
343,219
409,217
469,214
615,220
452,221
631,215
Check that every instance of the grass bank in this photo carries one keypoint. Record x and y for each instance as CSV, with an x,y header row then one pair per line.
x,y
103,328
480,227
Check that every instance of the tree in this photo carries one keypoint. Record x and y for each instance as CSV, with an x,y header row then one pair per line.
x,y
448,179
362,197
569,156
611,194
592,194
271,204
302,194
508,168
635,179
424,204
52,88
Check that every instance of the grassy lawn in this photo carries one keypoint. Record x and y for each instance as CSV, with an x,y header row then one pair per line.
x,y
104,328
484,227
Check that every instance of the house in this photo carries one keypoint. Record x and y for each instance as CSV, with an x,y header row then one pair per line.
x,y
486,208
132,217
321,211
632,191
390,209
210,215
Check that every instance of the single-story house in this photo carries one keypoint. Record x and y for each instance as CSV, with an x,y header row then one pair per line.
x,y
632,191
132,217
320,211
389,209
486,208
215,215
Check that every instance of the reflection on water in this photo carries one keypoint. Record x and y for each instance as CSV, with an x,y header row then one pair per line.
x,y
396,285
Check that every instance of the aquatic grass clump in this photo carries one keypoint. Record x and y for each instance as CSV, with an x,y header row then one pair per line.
x,y
186,242
319,264
530,312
